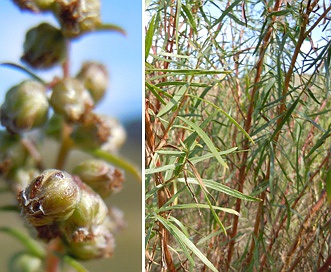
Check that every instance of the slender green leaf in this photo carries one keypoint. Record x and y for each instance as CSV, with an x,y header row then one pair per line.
x,y
185,242
220,188
149,36
161,169
74,264
30,244
174,101
25,70
206,139
194,206
111,158
328,184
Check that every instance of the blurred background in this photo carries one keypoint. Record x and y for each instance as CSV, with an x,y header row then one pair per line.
x,y
122,55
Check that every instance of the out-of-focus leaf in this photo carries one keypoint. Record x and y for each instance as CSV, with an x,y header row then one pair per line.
x,y
111,27
111,158
328,184
30,244
25,70
74,264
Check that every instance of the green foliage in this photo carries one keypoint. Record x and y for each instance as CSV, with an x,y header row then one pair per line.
x,y
237,131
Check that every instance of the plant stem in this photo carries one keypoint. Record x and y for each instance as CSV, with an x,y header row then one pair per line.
x,y
52,261
248,123
65,146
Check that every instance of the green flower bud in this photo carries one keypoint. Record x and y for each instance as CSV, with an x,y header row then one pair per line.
x,y
87,232
25,107
102,177
91,133
50,197
95,79
44,46
25,262
91,210
92,243
78,17
70,99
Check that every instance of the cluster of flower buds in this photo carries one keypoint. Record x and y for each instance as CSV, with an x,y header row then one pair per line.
x,y
54,203
75,16
59,205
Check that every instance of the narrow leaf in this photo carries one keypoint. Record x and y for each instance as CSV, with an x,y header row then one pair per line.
x,y
173,101
182,239
30,244
111,27
221,188
197,205
149,36
74,264
25,70
328,184
111,158
206,139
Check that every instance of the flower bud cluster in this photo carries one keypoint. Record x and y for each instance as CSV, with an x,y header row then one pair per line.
x,y
54,203
59,205
75,16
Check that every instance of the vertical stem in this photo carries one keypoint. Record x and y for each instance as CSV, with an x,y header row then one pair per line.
x,y
302,228
247,126
65,146
52,261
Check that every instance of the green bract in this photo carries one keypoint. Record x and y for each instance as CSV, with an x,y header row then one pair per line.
x,y
44,46
70,99
25,107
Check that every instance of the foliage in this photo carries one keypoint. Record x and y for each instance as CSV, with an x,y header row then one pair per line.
x,y
237,135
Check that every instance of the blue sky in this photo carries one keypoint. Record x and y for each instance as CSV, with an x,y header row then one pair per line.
x,y
122,55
